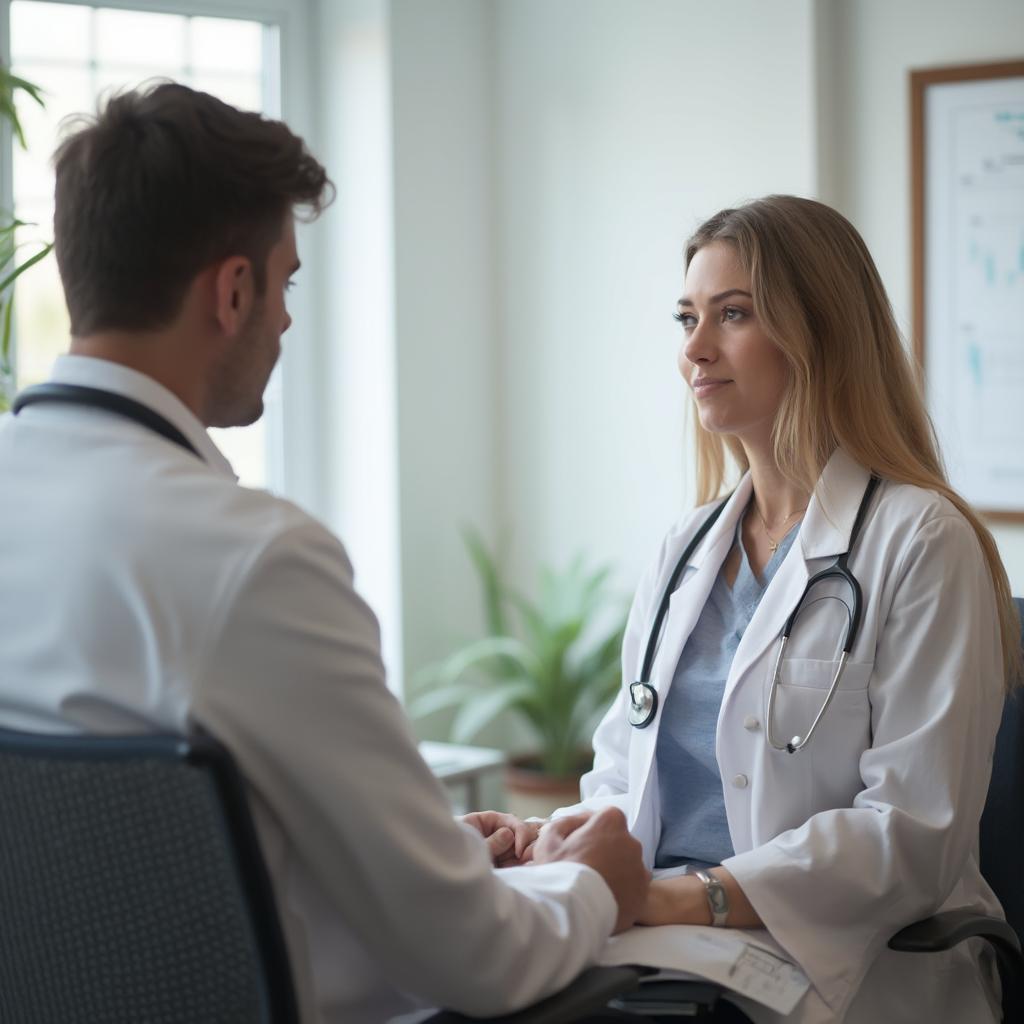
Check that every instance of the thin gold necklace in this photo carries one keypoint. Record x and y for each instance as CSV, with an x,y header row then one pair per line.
x,y
773,544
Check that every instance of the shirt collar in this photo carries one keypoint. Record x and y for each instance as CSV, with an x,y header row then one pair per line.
x,y
88,371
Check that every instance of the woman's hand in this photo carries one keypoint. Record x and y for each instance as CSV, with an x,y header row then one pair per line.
x,y
509,840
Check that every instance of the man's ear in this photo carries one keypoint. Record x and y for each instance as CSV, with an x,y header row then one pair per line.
x,y
234,291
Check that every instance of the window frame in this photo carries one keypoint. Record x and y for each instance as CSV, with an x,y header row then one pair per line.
x,y
293,445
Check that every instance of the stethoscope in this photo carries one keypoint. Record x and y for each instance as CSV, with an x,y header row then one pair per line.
x,y
97,398
643,698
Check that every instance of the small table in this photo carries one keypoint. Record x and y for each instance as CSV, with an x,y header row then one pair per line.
x,y
455,764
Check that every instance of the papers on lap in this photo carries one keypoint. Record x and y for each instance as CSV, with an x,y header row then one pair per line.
x,y
746,962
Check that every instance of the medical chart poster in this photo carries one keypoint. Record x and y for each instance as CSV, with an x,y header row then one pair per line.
x,y
968,169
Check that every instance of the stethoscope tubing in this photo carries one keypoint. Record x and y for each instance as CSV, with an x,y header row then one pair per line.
x,y
670,588
643,706
109,401
643,698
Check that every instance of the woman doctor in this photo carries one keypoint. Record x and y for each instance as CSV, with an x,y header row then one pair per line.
x,y
834,836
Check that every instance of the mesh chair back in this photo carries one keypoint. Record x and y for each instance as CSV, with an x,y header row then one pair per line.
x,y
1002,824
1002,828
131,886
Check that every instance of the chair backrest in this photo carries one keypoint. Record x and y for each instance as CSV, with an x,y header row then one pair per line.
x,y
1002,824
132,886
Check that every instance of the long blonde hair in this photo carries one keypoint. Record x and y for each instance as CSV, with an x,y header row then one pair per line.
x,y
818,295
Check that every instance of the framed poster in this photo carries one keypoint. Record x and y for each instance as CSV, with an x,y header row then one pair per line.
x,y
967,164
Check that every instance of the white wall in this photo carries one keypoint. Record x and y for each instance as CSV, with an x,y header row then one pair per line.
x,y
621,127
351,260
518,178
868,47
444,199
404,261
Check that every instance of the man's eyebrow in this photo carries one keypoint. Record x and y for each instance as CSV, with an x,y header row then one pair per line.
x,y
684,301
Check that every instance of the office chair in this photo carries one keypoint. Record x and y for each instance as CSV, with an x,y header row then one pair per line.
x,y
132,886
1002,852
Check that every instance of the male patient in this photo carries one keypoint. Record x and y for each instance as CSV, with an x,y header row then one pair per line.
x,y
144,589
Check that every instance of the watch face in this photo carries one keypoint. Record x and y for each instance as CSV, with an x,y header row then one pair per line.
x,y
718,901
717,898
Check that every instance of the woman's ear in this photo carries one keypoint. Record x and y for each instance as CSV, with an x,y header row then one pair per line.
x,y
234,291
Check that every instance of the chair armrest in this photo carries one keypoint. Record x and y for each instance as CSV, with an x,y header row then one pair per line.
x,y
588,994
946,930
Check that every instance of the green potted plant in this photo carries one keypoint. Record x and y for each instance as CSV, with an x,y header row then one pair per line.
x,y
551,662
10,271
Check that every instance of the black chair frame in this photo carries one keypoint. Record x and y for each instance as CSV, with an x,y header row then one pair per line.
x,y
202,751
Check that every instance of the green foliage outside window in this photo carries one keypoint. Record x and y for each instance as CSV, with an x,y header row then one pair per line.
x,y
10,268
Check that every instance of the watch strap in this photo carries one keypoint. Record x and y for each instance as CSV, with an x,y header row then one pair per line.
x,y
718,899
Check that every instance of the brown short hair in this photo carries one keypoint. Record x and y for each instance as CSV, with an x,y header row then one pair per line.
x,y
162,183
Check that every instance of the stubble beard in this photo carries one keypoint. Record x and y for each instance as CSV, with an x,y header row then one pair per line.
x,y
237,382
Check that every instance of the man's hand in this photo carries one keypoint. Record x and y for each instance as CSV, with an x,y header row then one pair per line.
x,y
509,840
602,842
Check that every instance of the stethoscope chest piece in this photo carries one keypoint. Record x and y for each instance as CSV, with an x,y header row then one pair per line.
x,y
643,705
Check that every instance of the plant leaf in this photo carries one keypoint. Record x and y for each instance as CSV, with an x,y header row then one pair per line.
x,y
482,708
33,90
9,84
437,700
6,282
490,580
480,652
560,675
11,226
5,339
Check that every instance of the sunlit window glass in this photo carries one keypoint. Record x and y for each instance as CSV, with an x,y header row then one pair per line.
x,y
77,54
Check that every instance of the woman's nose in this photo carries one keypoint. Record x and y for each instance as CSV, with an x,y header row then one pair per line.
x,y
697,347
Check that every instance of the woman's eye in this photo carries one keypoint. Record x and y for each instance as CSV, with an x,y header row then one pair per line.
x,y
733,313
688,320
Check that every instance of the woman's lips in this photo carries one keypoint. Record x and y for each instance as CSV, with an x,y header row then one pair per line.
x,y
708,385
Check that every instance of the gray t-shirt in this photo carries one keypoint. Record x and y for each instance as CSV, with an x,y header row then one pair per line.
x,y
694,829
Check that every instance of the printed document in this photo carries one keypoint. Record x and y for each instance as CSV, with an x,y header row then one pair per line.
x,y
747,962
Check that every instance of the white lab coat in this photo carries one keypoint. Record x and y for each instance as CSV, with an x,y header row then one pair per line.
x,y
875,823
143,588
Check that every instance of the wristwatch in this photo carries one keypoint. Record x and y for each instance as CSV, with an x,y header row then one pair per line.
x,y
718,900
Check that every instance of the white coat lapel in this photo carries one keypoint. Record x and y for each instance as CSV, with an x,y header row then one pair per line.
x,y
684,610
824,533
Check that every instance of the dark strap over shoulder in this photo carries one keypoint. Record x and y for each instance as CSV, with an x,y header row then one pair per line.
x,y
97,398
673,582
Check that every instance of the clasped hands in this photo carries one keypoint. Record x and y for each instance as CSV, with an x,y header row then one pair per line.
x,y
597,839
510,841
601,841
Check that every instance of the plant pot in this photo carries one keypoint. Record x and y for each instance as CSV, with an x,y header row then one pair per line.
x,y
532,793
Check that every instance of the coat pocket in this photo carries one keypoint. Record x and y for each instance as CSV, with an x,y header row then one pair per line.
x,y
833,753
816,674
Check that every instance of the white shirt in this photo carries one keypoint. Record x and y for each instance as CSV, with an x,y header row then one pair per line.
x,y
144,589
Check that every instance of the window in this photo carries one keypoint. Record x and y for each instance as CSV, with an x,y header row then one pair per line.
x,y
327,440
79,53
